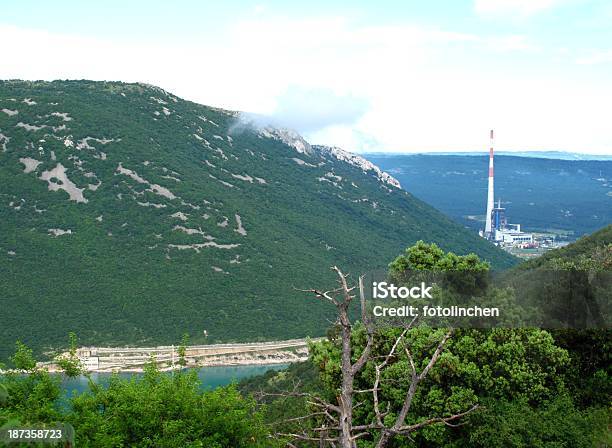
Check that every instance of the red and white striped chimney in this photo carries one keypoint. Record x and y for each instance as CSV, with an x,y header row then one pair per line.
x,y
490,195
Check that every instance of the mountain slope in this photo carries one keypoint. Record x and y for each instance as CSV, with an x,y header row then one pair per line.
x,y
129,215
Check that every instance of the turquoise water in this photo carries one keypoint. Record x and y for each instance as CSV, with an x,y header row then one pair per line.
x,y
210,377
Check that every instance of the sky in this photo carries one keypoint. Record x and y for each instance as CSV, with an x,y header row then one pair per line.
x,y
383,76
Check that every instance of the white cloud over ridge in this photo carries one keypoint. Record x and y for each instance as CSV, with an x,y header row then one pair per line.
x,y
310,110
366,88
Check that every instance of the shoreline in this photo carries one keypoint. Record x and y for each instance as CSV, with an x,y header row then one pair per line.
x,y
171,369
165,369
133,359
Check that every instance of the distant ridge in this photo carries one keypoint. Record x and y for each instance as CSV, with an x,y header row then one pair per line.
x,y
558,155
569,198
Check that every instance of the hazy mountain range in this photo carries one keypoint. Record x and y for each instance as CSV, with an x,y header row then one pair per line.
x,y
559,155
542,194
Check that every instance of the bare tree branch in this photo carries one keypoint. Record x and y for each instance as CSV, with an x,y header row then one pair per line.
x,y
312,399
379,368
370,331
446,420
436,354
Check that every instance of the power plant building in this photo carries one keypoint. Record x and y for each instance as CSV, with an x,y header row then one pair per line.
x,y
512,235
497,229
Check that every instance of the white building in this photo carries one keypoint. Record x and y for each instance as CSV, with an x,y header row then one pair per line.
x,y
90,363
512,234
89,359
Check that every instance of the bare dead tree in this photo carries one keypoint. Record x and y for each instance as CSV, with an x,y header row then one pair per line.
x,y
337,429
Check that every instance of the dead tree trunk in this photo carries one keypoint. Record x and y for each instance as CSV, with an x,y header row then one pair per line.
x,y
339,429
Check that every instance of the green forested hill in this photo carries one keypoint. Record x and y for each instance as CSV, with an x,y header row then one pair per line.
x,y
129,215
585,247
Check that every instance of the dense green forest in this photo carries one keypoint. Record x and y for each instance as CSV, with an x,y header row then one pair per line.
x,y
527,386
533,387
571,197
130,216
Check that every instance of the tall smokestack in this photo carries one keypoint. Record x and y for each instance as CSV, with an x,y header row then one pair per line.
x,y
490,194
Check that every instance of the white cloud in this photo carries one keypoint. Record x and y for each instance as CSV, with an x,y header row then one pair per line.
x,y
596,57
513,7
393,88
249,67
512,43
309,110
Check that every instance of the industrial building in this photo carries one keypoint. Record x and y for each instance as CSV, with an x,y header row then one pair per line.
x,y
497,229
